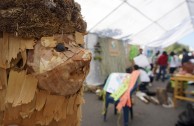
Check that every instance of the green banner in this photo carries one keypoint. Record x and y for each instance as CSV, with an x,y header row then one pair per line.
x,y
117,94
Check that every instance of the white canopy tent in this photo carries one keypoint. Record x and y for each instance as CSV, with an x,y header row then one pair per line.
x,y
152,23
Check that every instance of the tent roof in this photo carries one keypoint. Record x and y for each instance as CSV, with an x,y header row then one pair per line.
x,y
144,22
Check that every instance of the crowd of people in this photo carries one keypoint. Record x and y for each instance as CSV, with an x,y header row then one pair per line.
x,y
169,63
162,66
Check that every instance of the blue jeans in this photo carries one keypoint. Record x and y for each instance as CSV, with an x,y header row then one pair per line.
x,y
162,71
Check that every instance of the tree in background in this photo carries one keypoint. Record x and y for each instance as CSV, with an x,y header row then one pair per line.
x,y
109,32
177,48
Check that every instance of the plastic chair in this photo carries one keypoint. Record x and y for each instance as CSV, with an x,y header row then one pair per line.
x,y
126,109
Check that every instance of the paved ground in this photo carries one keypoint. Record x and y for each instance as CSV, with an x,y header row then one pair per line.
x,y
144,114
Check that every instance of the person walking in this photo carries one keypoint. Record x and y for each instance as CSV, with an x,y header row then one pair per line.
x,y
163,63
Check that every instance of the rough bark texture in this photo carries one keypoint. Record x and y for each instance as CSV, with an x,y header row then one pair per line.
x,y
42,66
37,18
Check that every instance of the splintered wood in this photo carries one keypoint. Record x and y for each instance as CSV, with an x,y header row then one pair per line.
x,y
2,100
25,105
3,78
54,109
40,100
4,51
11,46
21,88
42,86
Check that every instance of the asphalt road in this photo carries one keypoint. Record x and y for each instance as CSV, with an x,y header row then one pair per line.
x,y
144,114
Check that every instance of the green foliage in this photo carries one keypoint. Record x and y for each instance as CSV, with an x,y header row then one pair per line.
x,y
177,48
133,52
97,51
109,32
98,58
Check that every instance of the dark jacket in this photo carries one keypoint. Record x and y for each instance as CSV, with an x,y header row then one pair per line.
x,y
185,58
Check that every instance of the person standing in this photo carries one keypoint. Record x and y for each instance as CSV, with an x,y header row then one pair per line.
x,y
163,63
155,62
186,57
140,51
173,62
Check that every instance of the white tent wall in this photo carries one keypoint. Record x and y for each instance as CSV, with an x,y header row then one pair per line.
x,y
145,22
172,35
150,51
94,77
190,4
115,57
111,62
